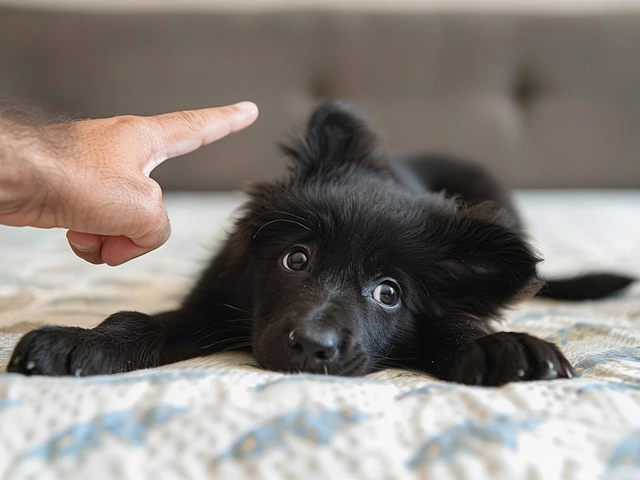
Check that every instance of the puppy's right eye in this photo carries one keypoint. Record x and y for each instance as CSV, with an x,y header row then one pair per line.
x,y
295,260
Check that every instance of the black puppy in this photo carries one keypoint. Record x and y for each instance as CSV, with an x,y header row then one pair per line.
x,y
348,265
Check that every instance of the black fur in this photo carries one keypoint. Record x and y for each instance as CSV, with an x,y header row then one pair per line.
x,y
349,264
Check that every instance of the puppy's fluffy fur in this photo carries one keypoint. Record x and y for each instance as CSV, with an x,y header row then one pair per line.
x,y
349,264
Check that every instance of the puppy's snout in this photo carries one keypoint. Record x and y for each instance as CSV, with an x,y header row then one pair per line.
x,y
313,347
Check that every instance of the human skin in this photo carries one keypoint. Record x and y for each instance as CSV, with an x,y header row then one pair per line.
x,y
92,176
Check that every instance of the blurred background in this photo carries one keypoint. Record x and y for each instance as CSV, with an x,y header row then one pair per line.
x,y
547,93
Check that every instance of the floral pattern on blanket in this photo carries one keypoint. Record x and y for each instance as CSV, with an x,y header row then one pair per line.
x,y
223,417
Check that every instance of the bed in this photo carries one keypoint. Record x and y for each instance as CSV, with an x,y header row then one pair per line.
x,y
223,417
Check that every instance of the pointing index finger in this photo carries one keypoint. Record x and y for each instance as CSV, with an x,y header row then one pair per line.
x,y
179,133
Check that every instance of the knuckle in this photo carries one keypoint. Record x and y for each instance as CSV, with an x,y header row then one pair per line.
x,y
128,122
130,132
126,119
193,120
161,131
138,127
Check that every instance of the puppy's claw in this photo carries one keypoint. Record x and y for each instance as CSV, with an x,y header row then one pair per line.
x,y
505,357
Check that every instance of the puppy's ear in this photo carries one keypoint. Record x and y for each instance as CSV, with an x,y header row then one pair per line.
x,y
336,139
486,264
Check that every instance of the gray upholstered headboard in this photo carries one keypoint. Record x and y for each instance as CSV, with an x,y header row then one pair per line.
x,y
549,100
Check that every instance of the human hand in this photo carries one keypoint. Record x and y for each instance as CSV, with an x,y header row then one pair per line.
x,y
92,177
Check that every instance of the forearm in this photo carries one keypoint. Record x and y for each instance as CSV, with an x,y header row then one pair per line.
x,y
25,161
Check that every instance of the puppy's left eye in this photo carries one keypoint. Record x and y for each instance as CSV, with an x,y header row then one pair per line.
x,y
387,293
295,260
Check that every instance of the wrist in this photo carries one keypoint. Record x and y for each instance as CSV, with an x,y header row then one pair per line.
x,y
24,161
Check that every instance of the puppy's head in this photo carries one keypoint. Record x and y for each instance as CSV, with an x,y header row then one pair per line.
x,y
342,266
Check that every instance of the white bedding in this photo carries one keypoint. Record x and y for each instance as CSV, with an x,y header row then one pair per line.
x,y
222,417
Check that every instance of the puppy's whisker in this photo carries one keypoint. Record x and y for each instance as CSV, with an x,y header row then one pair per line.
x,y
217,325
423,286
248,321
355,365
234,308
226,340
281,220
219,331
282,212
400,359
236,346
392,362
224,330
298,201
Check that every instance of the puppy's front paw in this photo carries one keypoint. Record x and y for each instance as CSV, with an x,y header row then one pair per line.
x,y
505,357
55,351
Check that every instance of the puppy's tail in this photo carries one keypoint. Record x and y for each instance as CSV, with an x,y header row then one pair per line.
x,y
591,286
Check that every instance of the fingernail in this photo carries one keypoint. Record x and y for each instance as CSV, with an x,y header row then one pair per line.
x,y
246,107
81,248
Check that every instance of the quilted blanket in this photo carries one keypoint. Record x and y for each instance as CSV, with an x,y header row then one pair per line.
x,y
224,418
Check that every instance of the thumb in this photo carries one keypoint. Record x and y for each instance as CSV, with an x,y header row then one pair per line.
x,y
178,133
98,249
117,250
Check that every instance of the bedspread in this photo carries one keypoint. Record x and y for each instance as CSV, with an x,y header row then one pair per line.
x,y
223,417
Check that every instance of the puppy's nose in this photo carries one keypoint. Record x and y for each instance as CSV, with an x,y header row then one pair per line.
x,y
313,346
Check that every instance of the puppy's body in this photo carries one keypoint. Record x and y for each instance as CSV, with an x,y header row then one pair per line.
x,y
348,265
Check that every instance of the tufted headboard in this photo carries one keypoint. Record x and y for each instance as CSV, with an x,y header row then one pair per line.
x,y
547,98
